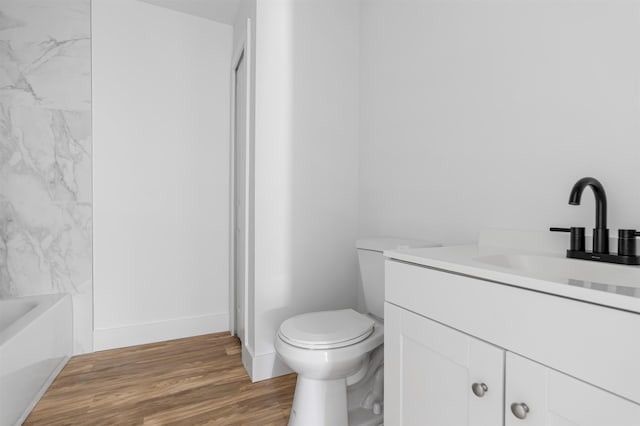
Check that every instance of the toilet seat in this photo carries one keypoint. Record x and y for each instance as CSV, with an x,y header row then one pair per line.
x,y
326,329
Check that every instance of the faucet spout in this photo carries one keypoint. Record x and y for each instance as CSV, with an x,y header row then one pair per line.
x,y
600,233
598,192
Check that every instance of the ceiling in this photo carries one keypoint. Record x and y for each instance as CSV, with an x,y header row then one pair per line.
x,y
223,11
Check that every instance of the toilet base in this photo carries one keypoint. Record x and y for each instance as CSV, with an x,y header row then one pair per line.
x,y
365,398
319,403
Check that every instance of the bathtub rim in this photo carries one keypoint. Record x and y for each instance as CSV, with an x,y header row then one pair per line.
x,y
44,303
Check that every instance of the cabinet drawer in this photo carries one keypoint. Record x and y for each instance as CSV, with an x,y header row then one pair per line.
x,y
596,344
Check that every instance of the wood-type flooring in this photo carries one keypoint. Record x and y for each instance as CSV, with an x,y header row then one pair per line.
x,y
193,381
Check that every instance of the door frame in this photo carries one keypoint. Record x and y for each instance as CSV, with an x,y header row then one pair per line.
x,y
243,52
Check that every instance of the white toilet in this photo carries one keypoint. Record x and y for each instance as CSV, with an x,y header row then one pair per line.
x,y
338,355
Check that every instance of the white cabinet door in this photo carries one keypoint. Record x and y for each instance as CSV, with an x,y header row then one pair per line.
x,y
555,399
430,370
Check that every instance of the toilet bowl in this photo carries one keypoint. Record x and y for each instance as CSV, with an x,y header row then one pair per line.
x,y
338,355
326,367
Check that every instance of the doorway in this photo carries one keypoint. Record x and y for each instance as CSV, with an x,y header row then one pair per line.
x,y
239,198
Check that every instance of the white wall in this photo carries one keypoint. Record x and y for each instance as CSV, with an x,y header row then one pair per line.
x,y
161,88
306,180
481,113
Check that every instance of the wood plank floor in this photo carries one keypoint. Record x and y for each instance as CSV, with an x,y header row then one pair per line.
x,y
194,381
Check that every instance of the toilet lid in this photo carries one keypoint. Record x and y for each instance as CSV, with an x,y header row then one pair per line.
x,y
327,329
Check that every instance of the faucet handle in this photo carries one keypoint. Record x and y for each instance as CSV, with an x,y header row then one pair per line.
x,y
577,237
627,242
628,233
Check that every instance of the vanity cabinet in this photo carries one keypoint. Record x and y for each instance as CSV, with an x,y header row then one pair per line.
x,y
462,351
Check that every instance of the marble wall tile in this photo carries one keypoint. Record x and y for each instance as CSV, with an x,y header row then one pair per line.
x,y
45,53
54,145
45,153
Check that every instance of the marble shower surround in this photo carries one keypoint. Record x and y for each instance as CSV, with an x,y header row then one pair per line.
x,y
45,153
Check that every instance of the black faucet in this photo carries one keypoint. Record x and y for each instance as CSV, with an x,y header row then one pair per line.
x,y
626,237
600,233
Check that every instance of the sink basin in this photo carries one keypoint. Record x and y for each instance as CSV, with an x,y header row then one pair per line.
x,y
595,275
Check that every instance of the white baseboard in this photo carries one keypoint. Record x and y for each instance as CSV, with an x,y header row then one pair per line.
x,y
139,334
247,360
263,367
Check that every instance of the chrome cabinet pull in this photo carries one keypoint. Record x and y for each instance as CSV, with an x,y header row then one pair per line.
x,y
520,410
479,389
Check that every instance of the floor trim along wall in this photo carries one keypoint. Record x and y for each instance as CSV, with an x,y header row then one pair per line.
x,y
263,367
139,334
247,360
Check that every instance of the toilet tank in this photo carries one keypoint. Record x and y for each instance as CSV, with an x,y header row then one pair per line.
x,y
371,263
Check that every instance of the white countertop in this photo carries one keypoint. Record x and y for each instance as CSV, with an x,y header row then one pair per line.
x,y
615,286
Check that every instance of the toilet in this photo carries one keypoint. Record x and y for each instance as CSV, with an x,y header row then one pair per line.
x,y
338,355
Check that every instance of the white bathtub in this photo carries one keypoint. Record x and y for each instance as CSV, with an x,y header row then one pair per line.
x,y
36,340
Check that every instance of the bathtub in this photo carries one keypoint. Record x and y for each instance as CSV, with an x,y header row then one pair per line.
x,y
36,341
